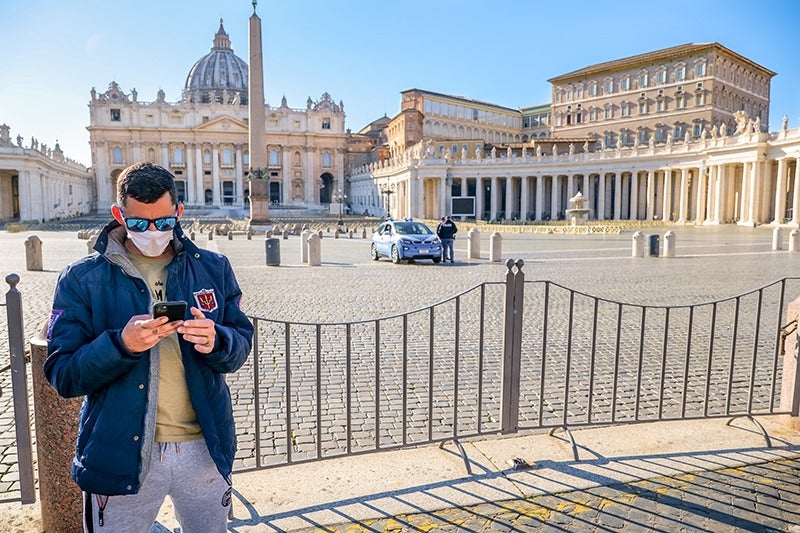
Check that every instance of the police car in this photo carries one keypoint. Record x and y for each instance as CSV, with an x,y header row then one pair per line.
x,y
403,240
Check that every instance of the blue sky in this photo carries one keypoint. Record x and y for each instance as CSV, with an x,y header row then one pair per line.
x,y
363,52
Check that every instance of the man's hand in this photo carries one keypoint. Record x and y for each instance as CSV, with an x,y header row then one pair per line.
x,y
142,332
199,331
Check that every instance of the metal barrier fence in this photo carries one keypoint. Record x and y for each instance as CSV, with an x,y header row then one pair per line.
x,y
498,358
19,389
503,357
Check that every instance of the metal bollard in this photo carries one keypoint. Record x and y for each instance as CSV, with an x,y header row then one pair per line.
x,y
191,235
364,233
777,239
230,235
637,248
314,250
474,244
669,244
495,247
273,250
33,253
210,235
286,234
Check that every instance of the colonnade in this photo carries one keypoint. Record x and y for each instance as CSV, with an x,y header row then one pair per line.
x,y
753,192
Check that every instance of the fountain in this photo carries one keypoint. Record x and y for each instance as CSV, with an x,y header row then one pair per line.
x,y
577,213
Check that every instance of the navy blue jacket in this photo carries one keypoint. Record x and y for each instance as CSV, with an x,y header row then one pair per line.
x,y
94,299
447,230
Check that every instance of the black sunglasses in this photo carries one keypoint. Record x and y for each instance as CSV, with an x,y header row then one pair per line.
x,y
142,224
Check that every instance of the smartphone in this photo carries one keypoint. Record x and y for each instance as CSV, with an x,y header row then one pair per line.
x,y
173,310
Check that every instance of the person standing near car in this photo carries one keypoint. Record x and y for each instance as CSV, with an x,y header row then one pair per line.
x,y
157,418
446,231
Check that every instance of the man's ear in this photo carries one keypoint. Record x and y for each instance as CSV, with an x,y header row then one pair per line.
x,y
180,210
116,212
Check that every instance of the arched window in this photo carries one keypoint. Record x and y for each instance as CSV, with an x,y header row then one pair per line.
x,y
177,155
227,157
117,155
207,157
151,155
273,157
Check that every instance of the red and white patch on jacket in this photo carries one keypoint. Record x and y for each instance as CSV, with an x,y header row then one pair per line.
x,y
206,300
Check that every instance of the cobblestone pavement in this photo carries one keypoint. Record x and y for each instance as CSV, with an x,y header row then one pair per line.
x,y
712,263
758,498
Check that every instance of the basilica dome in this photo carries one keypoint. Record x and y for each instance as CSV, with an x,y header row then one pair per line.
x,y
219,76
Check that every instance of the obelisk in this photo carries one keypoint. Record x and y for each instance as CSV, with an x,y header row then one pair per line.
x,y
259,173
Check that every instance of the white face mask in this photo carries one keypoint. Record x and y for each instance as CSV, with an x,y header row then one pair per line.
x,y
151,243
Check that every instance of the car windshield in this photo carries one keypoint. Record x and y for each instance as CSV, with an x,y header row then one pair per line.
x,y
412,228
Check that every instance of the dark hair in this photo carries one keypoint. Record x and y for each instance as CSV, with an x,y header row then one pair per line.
x,y
146,183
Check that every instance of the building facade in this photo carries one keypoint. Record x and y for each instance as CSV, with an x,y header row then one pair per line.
x,y
677,134
38,183
203,138
746,178
689,90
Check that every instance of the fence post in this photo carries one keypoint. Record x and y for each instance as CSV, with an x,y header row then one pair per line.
x,y
512,347
19,388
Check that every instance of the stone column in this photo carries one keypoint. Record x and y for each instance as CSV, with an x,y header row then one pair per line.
x,y
555,197
719,195
651,194
494,198
286,176
617,195
137,151
443,207
752,213
780,193
743,194
667,209
796,193
570,187
711,196
601,196
700,214
478,198
239,171
524,200
633,211
683,203
215,189
165,156
509,198
199,174
191,190
464,188
312,187
538,201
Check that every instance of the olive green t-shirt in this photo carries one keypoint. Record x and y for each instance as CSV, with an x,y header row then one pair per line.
x,y
176,420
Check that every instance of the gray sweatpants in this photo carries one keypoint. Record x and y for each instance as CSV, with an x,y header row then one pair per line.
x,y
185,472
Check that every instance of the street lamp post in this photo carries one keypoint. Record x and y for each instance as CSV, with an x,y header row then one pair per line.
x,y
387,192
340,198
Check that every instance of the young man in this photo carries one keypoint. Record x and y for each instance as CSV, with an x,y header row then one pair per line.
x,y
447,233
157,417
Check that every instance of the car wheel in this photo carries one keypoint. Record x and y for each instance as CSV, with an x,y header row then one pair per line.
x,y
437,259
374,253
395,254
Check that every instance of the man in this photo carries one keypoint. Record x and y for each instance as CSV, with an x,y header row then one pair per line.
x,y
446,231
157,417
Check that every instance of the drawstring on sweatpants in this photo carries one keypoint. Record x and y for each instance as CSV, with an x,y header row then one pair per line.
x,y
102,501
162,448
